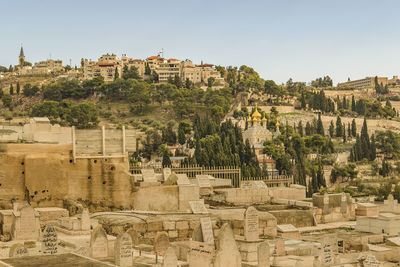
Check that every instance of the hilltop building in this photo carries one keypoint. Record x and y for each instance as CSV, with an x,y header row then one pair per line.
x,y
40,68
106,66
367,82
165,69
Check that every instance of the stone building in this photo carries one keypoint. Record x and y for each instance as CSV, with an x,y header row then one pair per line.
x,y
139,64
106,67
367,82
257,131
48,66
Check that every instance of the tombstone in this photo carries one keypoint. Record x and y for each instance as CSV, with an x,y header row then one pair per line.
x,y
197,207
123,250
207,231
18,250
329,249
343,204
227,253
183,179
263,254
166,173
148,175
170,259
171,180
98,243
251,231
368,260
197,234
325,209
49,240
85,220
135,236
26,225
203,180
200,254
280,249
161,243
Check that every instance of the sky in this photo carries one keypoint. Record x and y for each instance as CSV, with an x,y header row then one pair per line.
x,y
280,39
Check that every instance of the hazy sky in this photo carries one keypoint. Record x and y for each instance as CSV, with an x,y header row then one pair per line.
x,y
302,39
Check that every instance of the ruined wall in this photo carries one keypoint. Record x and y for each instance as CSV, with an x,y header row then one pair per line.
x,y
47,173
156,198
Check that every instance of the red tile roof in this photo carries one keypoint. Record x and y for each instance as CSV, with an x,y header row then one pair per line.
x,y
267,160
154,57
107,64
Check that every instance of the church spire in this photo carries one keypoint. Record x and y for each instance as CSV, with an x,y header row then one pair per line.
x,y
21,53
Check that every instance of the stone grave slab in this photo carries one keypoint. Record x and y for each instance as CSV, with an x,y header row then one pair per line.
x,y
203,180
263,254
98,243
148,175
198,207
170,259
227,253
377,248
172,179
280,249
206,229
394,241
49,240
200,254
286,228
85,220
161,243
18,250
182,179
123,250
251,230
329,249
166,173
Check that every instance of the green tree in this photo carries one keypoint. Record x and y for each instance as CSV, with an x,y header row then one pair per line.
x,y
166,161
320,126
353,128
116,74
18,88
6,99
11,89
331,129
339,127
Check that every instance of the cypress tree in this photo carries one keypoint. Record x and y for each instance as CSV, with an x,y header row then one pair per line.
x,y
344,133
320,126
339,127
365,143
116,74
348,130
11,89
300,128
353,103
373,148
353,128
18,88
308,129
166,161
344,102
331,129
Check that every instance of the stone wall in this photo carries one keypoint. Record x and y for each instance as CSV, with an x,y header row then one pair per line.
x,y
241,196
46,175
298,218
294,192
156,198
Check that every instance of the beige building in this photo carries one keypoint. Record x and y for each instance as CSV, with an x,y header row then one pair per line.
x,y
168,69
367,82
138,63
105,67
48,66
201,73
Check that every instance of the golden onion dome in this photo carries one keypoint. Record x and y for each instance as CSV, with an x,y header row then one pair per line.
x,y
256,115
277,124
249,119
264,119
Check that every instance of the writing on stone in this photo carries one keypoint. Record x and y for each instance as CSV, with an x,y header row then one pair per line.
x,y
206,228
49,240
251,231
